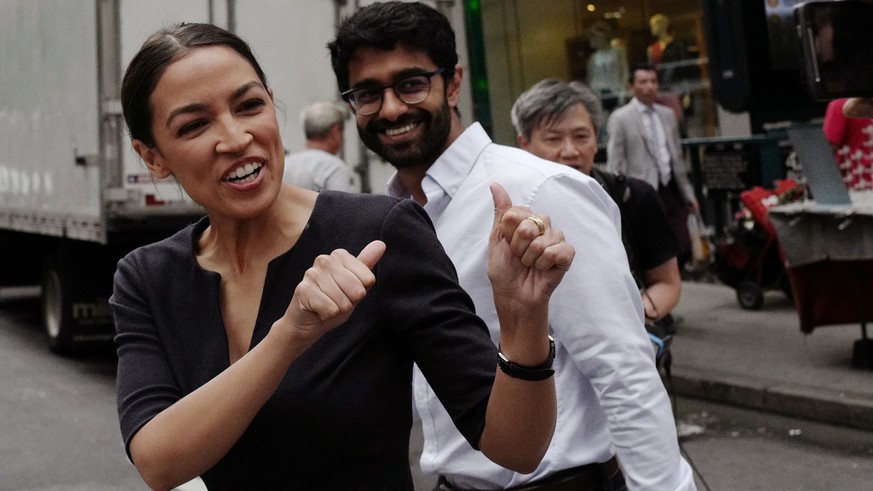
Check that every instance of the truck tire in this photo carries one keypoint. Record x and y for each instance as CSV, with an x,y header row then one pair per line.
x,y
76,285
55,306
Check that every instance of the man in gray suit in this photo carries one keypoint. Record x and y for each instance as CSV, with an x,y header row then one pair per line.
x,y
644,143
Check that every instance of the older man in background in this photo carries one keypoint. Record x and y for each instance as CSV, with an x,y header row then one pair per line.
x,y
318,167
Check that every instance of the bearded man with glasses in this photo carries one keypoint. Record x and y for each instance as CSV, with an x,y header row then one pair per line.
x,y
396,65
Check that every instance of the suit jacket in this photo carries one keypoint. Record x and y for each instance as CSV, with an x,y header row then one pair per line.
x,y
628,151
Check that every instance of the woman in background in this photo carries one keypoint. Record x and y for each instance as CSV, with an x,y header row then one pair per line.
x,y
851,140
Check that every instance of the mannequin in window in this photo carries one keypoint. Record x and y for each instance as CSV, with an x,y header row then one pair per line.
x,y
607,66
666,49
666,53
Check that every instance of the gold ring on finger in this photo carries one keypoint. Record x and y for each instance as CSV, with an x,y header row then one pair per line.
x,y
540,223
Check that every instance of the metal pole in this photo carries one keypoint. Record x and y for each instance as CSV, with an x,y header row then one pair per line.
x,y
111,127
362,168
337,10
231,15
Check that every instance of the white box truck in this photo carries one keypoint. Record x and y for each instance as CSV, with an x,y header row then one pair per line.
x,y
73,196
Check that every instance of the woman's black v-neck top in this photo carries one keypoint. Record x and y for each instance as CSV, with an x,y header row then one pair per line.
x,y
341,417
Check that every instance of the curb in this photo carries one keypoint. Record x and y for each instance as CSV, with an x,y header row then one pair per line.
x,y
844,409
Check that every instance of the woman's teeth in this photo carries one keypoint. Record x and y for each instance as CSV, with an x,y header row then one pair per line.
x,y
244,174
399,131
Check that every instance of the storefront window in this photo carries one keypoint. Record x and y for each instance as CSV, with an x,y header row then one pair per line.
x,y
596,42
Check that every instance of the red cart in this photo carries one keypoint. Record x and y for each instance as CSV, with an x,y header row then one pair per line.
x,y
749,259
829,259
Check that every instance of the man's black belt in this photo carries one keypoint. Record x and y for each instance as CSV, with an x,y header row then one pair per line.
x,y
589,477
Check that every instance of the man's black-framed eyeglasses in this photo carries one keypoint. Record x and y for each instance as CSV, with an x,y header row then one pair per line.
x,y
410,90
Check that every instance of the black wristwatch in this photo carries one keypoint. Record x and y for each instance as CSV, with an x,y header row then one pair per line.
x,y
534,374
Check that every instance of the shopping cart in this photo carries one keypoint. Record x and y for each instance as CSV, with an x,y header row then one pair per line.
x,y
749,259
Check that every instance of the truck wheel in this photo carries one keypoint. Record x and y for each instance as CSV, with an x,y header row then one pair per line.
x,y
76,285
750,295
54,307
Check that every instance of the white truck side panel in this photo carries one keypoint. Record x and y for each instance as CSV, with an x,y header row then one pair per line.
x,y
138,20
50,106
48,115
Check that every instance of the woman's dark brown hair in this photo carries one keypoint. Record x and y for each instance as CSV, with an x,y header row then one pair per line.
x,y
160,50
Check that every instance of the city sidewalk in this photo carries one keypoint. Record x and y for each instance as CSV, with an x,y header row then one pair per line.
x,y
760,359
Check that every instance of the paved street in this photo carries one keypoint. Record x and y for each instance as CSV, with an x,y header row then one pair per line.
x,y
60,430
59,425
761,359
736,449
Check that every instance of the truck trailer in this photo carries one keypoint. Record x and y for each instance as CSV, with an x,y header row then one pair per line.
x,y
74,198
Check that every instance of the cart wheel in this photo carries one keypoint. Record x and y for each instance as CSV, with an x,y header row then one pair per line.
x,y
750,295
785,285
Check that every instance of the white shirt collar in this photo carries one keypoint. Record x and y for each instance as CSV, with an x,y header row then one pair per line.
x,y
450,169
642,108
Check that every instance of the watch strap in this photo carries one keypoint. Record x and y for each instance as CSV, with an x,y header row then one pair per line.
x,y
534,373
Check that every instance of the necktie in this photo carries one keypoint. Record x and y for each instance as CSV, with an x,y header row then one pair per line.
x,y
657,141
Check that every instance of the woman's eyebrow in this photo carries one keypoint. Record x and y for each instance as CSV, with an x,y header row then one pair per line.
x,y
198,106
